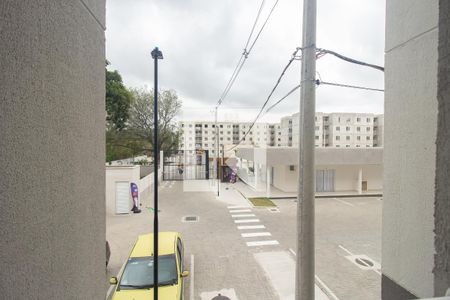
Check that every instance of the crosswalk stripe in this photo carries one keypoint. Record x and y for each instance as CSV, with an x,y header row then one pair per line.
x,y
262,243
247,221
254,234
242,215
238,206
251,227
240,210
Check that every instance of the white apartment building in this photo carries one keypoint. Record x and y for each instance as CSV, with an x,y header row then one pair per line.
x,y
338,130
202,135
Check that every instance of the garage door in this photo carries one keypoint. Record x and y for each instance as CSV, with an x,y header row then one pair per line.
x,y
122,197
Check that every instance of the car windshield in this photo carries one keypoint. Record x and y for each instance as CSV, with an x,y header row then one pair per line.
x,y
138,272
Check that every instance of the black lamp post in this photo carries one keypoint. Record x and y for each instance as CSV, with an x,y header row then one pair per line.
x,y
156,54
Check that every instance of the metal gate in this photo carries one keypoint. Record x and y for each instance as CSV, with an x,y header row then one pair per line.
x,y
325,180
186,165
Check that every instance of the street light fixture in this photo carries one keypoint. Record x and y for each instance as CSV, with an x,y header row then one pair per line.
x,y
156,54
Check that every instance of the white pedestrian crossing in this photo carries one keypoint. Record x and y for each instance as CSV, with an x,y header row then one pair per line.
x,y
262,243
247,221
255,234
243,216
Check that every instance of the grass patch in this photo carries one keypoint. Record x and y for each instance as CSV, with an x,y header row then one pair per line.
x,y
262,202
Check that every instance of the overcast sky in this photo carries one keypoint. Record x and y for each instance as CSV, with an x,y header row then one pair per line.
x,y
202,41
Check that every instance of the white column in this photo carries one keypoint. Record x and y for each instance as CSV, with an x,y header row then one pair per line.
x,y
268,177
359,183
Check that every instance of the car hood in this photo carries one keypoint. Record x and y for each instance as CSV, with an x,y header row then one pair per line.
x,y
166,293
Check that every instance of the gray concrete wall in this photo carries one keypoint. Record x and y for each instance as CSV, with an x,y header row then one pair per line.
x,y
409,150
52,127
442,199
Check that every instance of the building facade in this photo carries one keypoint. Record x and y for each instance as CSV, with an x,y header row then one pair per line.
x,y
52,149
416,204
338,130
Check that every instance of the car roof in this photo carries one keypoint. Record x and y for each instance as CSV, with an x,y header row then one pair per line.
x,y
144,244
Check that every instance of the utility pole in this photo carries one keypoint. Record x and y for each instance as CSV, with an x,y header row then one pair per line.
x,y
156,54
305,270
217,153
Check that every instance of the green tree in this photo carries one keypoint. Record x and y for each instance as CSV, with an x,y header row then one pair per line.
x,y
141,120
118,101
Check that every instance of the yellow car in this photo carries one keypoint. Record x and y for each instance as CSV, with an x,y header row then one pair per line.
x,y
135,282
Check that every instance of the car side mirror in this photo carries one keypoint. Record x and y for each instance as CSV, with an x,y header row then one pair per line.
x,y
185,274
113,280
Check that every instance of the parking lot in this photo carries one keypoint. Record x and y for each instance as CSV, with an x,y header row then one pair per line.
x,y
245,253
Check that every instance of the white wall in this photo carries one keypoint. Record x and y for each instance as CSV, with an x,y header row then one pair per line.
x,y
128,174
284,179
346,177
410,123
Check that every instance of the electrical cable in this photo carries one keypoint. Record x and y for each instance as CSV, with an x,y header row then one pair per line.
x,y
246,52
319,82
294,56
351,60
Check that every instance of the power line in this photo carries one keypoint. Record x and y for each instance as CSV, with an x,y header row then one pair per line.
x,y
246,52
319,82
284,97
351,60
294,57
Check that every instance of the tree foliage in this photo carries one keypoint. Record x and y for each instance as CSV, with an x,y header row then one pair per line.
x,y
118,101
141,122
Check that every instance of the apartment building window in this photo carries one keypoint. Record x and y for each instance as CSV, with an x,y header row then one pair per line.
x,y
358,128
358,138
325,127
325,119
317,137
339,119
368,120
317,128
221,132
206,145
182,145
347,146
357,146
221,126
182,125
206,138
279,139
337,146
206,126
347,138
206,131
228,139
290,121
315,119
190,125
349,120
290,138
347,128
221,138
368,138
251,132
367,146
338,128
228,132
375,137
228,126
338,138
213,126
367,128
358,120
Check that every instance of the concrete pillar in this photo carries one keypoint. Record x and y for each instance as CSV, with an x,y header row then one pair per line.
x,y
268,177
359,183
52,149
